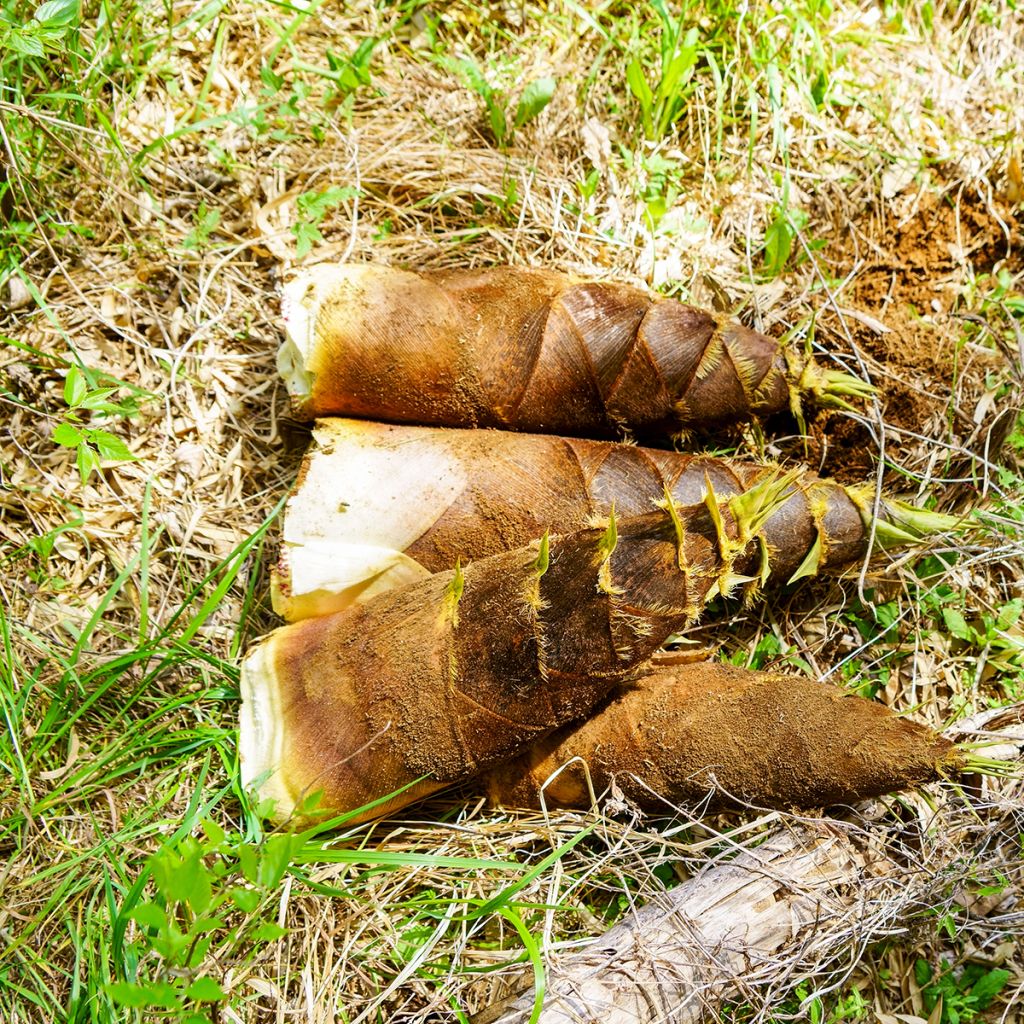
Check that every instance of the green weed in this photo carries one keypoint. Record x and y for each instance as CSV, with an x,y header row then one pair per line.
x,y
346,75
664,103
501,120
92,444
312,208
206,222
957,997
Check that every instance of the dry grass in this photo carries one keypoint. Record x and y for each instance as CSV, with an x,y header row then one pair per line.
x,y
120,647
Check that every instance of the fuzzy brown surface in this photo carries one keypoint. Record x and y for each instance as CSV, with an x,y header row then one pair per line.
x,y
523,484
708,730
411,684
535,350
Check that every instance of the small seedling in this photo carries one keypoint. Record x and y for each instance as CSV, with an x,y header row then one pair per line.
x,y
207,892
664,104
312,208
206,222
92,444
534,98
962,995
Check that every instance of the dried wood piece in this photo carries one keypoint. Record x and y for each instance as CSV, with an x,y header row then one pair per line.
x,y
687,950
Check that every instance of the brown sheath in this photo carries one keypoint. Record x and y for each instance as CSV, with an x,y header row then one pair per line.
x,y
433,495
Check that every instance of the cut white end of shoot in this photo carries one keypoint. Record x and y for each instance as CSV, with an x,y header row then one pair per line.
x,y
260,732
302,302
299,307
367,492
318,577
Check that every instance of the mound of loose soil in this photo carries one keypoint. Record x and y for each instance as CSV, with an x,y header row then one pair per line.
x,y
911,286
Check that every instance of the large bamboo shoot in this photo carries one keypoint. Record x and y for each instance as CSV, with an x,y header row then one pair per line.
x,y
437,681
706,733
529,350
378,506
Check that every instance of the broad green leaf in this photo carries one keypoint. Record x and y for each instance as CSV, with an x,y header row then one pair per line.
x,y
149,915
200,893
205,990
162,993
110,446
248,862
1010,613
922,972
25,44
306,236
56,13
171,943
183,879
88,462
75,387
957,624
637,82
313,206
778,244
128,994
276,855
97,400
245,899
205,925
268,932
670,100
215,836
986,988
67,435
536,96
496,116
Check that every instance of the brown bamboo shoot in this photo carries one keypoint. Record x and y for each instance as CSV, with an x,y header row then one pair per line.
x,y
707,733
378,506
531,350
435,682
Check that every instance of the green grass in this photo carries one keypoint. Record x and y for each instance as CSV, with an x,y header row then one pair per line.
x,y
137,881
